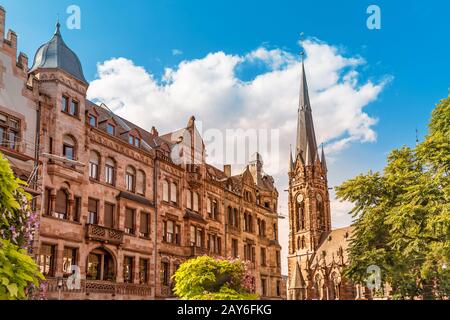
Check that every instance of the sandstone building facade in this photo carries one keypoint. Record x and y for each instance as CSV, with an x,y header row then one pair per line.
x,y
122,207
317,254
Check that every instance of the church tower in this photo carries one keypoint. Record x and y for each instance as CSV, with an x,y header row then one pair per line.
x,y
309,204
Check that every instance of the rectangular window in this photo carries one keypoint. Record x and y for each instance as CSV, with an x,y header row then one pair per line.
x,y
77,209
109,174
137,142
278,259
165,273
109,215
92,211
73,108
199,240
110,129
173,192
69,260
128,269
263,256
46,260
93,170
192,235
92,120
143,271
65,104
170,231
264,287
178,234
278,288
68,152
208,207
234,248
47,207
144,225
129,221
9,132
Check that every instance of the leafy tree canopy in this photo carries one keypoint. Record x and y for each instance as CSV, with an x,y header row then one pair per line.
x,y
206,278
17,224
402,216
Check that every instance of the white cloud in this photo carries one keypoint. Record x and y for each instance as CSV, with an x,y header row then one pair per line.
x,y
210,89
177,52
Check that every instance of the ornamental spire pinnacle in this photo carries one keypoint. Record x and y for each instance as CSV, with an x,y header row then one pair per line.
x,y
306,137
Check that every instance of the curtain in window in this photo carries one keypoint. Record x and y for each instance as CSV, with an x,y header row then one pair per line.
x,y
165,191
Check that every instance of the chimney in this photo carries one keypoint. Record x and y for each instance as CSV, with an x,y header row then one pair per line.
x,y
2,23
227,170
154,132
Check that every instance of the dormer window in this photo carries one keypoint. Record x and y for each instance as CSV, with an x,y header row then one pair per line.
x,y
110,129
134,141
92,120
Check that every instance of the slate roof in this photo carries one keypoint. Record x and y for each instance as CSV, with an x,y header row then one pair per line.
x,y
56,54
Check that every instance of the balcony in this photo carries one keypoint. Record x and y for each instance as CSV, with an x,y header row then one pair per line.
x,y
104,234
193,175
198,251
101,287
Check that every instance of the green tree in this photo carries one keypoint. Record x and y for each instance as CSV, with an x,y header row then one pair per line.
x,y
17,224
206,278
402,216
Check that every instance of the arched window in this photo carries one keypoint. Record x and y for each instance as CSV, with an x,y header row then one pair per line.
x,y
62,204
110,171
100,266
195,200
318,288
130,179
215,210
188,199
140,182
303,242
94,161
68,147
165,186
173,192
334,286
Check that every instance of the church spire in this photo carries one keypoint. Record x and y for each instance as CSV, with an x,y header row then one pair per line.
x,y
306,137
291,161
323,161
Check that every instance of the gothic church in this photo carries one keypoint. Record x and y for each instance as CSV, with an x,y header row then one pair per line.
x,y
317,254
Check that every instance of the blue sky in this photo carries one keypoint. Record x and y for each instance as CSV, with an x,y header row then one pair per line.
x,y
412,44
412,48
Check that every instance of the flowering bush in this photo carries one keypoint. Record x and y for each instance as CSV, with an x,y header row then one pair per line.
x,y
18,272
206,278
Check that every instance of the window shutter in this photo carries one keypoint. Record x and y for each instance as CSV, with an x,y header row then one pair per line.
x,y
61,202
173,192
144,223
165,191
208,205
92,205
129,218
109,215
195,208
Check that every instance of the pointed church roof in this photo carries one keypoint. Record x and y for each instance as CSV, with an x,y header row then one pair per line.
x,y
291,161
297,280
55,54
306,136
323,161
